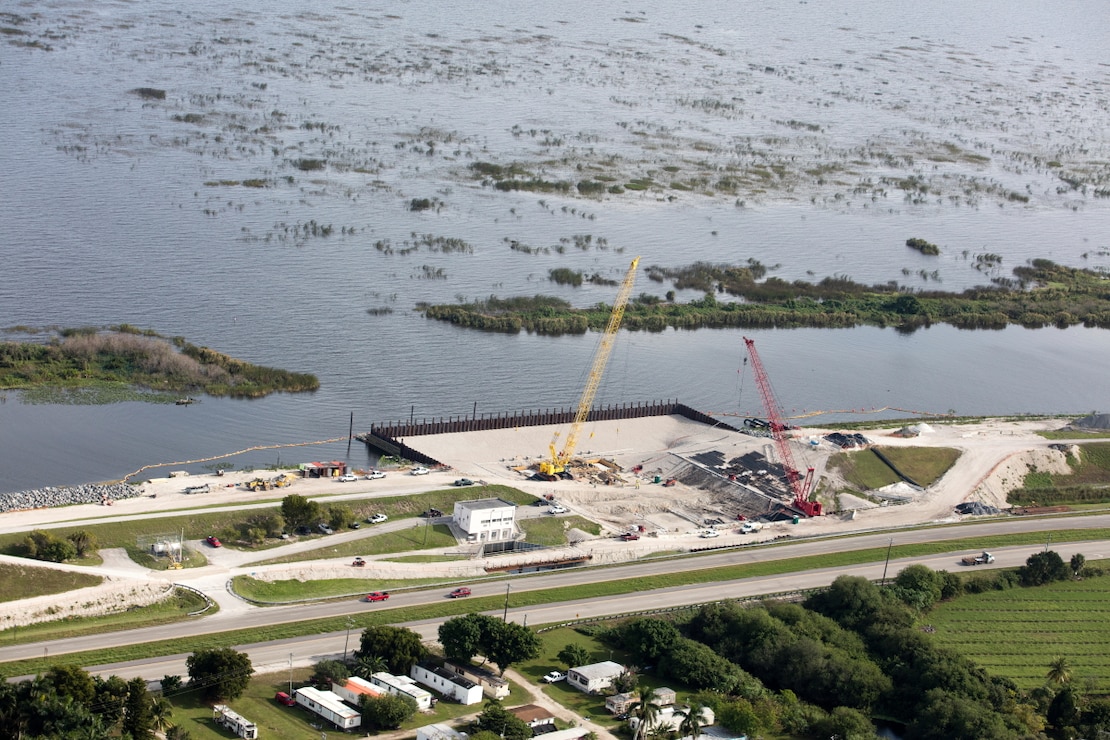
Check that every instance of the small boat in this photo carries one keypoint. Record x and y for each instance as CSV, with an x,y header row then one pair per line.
x,y
184,401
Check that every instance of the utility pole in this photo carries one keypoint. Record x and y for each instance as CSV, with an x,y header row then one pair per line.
x,y
350,623
290,675
889,545
505,616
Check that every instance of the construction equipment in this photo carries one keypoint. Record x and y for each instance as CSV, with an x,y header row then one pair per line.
x,y
799,486
556,466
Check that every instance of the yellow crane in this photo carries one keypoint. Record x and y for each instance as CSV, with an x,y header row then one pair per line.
x,y
558,462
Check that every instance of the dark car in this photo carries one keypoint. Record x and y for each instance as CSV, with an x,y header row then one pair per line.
x,y
302,530
464,482
432,513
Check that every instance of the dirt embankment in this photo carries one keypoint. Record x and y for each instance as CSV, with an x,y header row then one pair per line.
x,y
1010,474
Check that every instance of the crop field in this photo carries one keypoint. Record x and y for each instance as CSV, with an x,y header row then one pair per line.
x,y
1017,633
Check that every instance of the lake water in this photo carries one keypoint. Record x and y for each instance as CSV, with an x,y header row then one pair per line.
x,y
814,138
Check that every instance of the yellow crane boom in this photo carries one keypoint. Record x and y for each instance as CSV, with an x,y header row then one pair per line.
x,y
558,462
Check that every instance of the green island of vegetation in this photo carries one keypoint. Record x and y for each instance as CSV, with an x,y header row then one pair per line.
x,y
1040,294
103,365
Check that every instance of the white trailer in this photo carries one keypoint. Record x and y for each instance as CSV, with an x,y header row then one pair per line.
x,y
330,706
235,722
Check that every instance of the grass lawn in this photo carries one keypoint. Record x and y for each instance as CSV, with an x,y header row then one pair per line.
x,y
281,592
24,581
552,530
174,609
416,537
1017,633
864,469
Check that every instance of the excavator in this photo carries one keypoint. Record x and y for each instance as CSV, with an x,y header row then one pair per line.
x,y
555,466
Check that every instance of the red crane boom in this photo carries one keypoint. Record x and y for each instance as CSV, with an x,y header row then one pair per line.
x,y
799,486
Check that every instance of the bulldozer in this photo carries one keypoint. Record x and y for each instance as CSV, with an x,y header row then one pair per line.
x,y
258,484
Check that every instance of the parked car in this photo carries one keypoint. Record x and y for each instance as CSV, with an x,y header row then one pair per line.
x,y
419,471
213,540
557,509
324,528
348,478
302,530
709,533
375,475
359,563
376,519
630,536
749,527
459,593
464,482
355,525
283,698
432,513
377,596
555,677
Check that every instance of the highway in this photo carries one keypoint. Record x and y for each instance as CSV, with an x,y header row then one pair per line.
x,y
279,655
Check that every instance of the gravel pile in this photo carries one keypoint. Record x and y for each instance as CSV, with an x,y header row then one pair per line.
x,y
48,497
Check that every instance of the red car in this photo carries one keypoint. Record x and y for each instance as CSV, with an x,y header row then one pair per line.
x,y
377,596
214,541
629,536
459,593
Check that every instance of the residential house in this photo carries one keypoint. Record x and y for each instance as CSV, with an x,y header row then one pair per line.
x,y
492,685
354,689
328,705
594,678
448,683
402,686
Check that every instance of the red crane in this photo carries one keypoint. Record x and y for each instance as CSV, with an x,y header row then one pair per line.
x,y
798,485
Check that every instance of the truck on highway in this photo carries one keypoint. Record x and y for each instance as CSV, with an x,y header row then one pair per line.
x,y
980,559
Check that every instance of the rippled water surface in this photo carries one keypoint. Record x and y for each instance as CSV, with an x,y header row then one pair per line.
x,y
263,207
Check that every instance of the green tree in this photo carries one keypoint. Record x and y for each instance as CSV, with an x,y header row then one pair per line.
x,y
111,696
1063,712
1077,562
645,715
221,674
74,682
1059,671
160,712
84,542
170,684
1043,567
399,647
846,723
41,545
298,511
137,720
176,732
386,712
327,671
510,643
648,638
573,655
339,516
918,587
691,723
367,665
495,718
461,637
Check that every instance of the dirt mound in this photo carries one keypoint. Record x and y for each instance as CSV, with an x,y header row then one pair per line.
x,y
1094,421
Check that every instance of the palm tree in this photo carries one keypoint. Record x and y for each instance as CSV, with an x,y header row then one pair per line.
x,y
646,713
1059,671
160,712
691,723
368,665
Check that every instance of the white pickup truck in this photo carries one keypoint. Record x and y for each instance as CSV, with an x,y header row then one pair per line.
x,y
750,527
